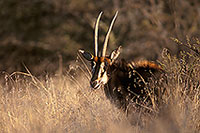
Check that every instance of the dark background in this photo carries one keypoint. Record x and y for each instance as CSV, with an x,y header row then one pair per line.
x,y
38,33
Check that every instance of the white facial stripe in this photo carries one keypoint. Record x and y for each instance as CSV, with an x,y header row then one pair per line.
x,y
101,70
103,78
99,75
93,67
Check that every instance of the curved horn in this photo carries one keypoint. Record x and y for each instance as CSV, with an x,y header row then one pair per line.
x,y
96,35
107,36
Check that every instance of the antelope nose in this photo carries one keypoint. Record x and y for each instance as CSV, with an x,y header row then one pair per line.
x,y
94,84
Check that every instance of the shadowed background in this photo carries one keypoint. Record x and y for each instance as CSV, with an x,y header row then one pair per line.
x,y
40,33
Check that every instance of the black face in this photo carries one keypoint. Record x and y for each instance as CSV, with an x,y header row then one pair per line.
x,y
99,67
99,72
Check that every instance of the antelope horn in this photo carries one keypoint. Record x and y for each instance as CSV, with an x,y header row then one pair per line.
x,y
96,35
107,36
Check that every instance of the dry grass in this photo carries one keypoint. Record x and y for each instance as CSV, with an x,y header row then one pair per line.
x,y
66,103
54,105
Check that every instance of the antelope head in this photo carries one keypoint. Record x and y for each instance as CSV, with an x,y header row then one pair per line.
x,y
100,62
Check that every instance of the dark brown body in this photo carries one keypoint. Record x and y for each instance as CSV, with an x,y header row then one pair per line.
x,y
128,82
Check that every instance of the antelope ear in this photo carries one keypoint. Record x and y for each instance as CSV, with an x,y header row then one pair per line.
x,y
114,54
88,56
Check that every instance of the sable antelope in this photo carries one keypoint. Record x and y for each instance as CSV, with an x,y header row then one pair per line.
x,y
124,82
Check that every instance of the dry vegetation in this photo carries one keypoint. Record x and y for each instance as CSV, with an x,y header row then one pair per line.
x,y
66,103
44,35
59,104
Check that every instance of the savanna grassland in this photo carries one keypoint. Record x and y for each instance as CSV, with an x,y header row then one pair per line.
x,y
44,83
66,103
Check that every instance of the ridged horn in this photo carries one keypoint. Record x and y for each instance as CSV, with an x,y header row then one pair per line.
x,y
96,35
107,36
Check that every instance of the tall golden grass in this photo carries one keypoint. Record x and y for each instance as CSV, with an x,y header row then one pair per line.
x,y
66,103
